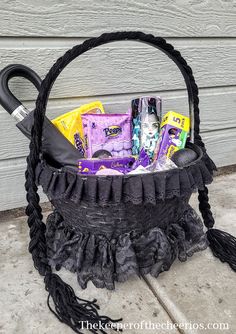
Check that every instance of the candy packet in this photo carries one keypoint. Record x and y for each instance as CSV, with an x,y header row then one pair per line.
x,y
159,165
173,136
70,123
92,166
110,132
142,160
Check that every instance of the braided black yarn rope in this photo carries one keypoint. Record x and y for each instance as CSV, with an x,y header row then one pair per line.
x,y
205,208
89,44
69,308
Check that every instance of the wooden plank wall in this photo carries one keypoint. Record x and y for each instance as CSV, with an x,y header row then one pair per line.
x,y
36,33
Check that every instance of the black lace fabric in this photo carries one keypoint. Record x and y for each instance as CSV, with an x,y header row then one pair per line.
x,y
105,260
138,189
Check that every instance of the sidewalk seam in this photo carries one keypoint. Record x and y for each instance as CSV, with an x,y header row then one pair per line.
x,y
149,285
175,319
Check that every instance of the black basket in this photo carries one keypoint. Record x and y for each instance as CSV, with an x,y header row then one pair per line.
x,y
106,228
114,226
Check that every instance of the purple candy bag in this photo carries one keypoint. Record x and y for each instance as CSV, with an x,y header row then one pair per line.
x,y
111,132
91,166
142,160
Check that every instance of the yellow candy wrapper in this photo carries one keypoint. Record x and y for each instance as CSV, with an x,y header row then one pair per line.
x,y
70,123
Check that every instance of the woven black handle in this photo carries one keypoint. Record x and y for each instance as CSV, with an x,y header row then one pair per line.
x,y
77,50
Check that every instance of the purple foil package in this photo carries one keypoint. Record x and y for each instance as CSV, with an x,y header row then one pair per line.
x,y
91,166
79,143
111,132
142,160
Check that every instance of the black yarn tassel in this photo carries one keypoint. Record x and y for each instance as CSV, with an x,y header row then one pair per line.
x,y
77,313
223,246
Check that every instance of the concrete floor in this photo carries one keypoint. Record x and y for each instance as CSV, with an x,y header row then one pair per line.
x,y
199,292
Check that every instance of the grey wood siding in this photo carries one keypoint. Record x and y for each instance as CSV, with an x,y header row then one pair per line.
x,y
36,33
